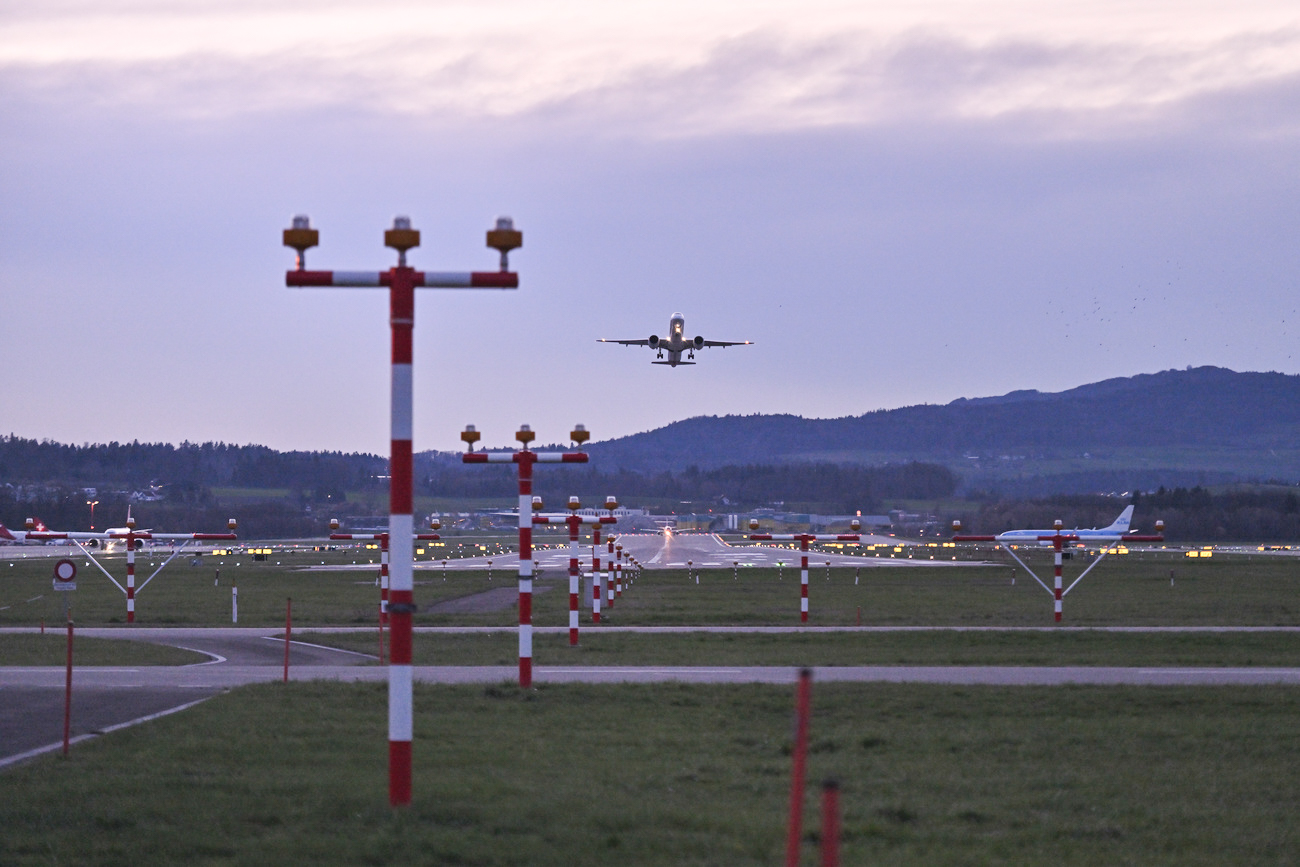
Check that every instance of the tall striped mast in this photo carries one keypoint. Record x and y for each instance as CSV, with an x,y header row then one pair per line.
x,y
402,282
803,539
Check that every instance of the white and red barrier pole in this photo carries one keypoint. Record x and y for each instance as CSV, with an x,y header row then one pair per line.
x,y
383,583
575,523
1057,558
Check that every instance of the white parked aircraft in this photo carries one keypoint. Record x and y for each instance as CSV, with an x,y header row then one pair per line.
x,y
676,343
1118,531
1119,527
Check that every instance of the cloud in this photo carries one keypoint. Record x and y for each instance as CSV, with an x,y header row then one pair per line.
x,y
759,81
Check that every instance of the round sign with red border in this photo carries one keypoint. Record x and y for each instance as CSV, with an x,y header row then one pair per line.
x,y
65,574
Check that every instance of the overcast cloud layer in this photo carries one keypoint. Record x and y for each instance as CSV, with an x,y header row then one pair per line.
x,y
911,205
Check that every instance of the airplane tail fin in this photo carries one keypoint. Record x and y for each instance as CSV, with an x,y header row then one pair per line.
x,y
1121,523
5,534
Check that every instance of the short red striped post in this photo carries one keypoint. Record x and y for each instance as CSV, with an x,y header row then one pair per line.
x,y
524,459
67,693
596,583
401,282
803,539
802,709
830,824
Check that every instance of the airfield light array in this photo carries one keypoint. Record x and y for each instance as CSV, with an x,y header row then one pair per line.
x,y
524,458
574,522
402,281
803,539
1057,538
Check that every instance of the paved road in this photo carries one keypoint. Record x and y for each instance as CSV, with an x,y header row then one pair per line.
x,y
31,698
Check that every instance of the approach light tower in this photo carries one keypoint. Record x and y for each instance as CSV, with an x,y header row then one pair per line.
x,y
524,458
803,539
402,281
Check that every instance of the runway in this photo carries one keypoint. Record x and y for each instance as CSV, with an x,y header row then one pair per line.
x,y
699,551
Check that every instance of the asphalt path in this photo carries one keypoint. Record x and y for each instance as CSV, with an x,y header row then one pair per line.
x,y
106,698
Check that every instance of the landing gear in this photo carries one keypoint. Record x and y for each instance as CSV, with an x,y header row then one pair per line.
x,y
661,353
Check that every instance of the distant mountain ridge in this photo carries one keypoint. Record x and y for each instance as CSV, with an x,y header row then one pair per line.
x,y
1210,422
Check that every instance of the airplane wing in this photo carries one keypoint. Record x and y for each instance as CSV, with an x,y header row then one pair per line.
x,y
624,342
727,343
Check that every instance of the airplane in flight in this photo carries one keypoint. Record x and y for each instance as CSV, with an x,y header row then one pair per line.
x,y
1117,531
676,343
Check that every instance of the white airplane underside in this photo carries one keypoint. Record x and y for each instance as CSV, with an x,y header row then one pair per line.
x,y
676,344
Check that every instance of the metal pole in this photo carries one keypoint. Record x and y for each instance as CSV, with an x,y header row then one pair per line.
x,y
130,577
288,632
234,604
1056,547
830,824
575,523
67,688
803,579
401,527
801,710
596,583
525,461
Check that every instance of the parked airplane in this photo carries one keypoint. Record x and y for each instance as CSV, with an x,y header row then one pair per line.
x,y
19,537
676,343
1117,531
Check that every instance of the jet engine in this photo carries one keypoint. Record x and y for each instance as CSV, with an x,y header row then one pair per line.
x,y
92,543
654,341
698,341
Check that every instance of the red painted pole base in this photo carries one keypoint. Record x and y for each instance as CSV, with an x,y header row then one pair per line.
x,y
399,773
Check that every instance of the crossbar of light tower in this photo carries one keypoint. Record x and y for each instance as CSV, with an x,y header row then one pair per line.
x,y
130,537
804,539
524,459
1058,538
574,522
401,281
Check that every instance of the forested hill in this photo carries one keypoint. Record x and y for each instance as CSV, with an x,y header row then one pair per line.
x,y
1197,425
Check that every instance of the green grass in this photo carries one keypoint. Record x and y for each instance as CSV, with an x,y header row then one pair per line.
x,y
676,774
822,649
52,649
1134,590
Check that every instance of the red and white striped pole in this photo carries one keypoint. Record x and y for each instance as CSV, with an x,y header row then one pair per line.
x,y
383,581
575,523
596,583
1056,548
401,282
524,460
609,571
618,570
130,571
803,539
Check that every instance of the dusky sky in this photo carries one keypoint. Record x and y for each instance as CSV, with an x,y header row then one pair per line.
x,y
898,202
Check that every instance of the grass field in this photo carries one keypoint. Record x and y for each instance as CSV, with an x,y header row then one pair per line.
x,y
848,648
1135,590
52,649
675,774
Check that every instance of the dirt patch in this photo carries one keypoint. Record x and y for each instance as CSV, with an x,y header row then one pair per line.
x,y
496,599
